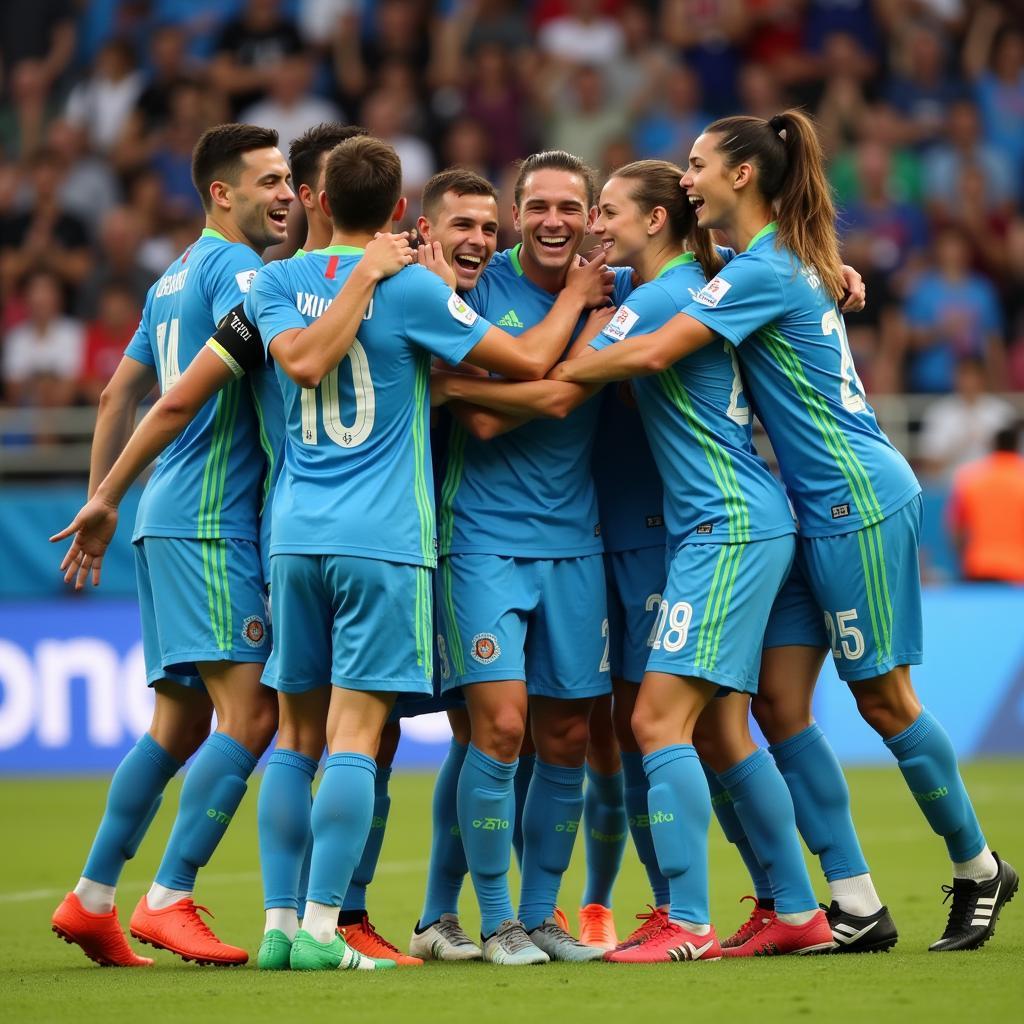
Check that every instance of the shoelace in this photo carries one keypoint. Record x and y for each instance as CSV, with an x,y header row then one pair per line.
x,y
514,938
551,928
198,922
962,910
749,927
374,934
653,923
453,933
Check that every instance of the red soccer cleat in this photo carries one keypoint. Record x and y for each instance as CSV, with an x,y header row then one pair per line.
x,y
99,935
180,930
780,939
671,943
760,918
365,939
597,926
652,923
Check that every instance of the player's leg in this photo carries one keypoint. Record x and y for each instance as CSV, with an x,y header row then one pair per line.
x,y
605,830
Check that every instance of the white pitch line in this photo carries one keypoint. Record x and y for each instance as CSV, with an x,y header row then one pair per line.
x,y
401,867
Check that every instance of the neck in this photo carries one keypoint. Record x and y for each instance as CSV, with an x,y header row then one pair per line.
x,y
358,239
746,223
551,280
216,221
318,233
660,250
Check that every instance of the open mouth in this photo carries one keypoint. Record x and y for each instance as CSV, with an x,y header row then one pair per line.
x,y
696,203
279,216
553,242
467,261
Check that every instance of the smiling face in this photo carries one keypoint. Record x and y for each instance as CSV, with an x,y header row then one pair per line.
x,y
467,228
710,186
553,217
261,197
622,228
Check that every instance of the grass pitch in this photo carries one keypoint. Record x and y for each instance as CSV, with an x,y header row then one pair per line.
x,y
48,825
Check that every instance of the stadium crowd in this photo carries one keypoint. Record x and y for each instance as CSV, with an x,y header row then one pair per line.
x,y
921,104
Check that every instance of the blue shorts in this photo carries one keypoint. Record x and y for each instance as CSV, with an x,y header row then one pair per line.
x,y
358,623
416,704
868,584
635,580
796,619
199,600
541,620
715,609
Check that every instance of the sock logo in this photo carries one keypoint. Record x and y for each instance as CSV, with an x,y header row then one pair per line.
x,y
721,798
455,831
604,837
491,824
935,794
640,821
218,816
378,821
662,817
568,826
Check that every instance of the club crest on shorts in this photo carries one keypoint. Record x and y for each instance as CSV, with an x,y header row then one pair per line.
x,y
485,648
254,632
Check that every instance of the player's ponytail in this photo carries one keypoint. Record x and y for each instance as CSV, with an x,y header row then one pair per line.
x,y
656,183
791,174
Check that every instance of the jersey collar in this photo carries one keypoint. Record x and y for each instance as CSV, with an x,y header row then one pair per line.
x,y
513,256
676,261
338,250
212,233
768,229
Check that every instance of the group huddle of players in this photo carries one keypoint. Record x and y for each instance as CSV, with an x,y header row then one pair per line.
x,y
599,589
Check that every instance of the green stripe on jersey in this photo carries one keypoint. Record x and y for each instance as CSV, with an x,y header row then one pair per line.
x,y
424,506
268,451
719,460
452,479
454,637
215,470
835,440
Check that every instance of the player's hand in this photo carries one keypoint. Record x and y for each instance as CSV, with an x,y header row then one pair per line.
x,y
93,528
431,256
387,253
591,280
856,296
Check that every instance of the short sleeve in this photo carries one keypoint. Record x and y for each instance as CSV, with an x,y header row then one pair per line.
x,y
648,308
623,287
742,297
438,319
476,298
236,272
140,348
270,307
237,342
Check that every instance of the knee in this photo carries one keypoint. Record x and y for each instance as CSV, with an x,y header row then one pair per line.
x,y
502,736
253,723
888,709
458,719
645,728
563,742
622,719
779,719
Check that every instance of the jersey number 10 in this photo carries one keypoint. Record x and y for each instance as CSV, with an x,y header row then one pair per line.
x,y
342,434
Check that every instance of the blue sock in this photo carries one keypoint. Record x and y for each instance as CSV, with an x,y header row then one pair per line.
x,y
635,795
213,789
821,800
447,858
605,834
551,820
282,819
928,762
133,799
342,812
765,810
679,808
486,804
355,898
721,804
524,773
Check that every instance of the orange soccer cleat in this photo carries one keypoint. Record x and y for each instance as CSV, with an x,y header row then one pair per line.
x,y
180,930
365,939
780,939
760,917
650,925
561,920
597,926
99,935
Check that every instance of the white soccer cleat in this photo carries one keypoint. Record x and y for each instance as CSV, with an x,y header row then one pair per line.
x,y
510,945
444,940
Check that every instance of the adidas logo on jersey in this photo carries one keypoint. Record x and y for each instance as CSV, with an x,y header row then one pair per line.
x,y
510,319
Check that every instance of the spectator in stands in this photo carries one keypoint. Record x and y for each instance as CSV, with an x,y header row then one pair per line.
x,y
103,102
986,513
467,145
42,32
42,356
494,97
959,428
89,187
386,115
635,75
168,62
117,260
674,117
583,117
952,313
107,335
27,109
583,35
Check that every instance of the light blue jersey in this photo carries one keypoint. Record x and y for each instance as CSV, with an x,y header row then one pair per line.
x,y
629,491
206,484
717,489
839,468
357,477
528,493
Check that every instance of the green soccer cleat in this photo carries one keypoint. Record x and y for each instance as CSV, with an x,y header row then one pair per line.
x,y
337,955
275,951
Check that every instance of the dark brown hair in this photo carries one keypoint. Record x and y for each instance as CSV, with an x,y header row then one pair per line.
x,y
363,182
558,160
656,183
791,175
219,151
305,152
457,180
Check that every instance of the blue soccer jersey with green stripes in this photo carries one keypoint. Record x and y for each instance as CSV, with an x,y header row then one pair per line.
x,y
840,470
357,478
206,484
717,489
528,493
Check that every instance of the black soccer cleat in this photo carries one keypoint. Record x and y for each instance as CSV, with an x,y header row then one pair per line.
x,y
975,909
875,933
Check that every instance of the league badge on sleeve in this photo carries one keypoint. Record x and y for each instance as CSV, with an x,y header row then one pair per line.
x,y
244,280
621,324
460,311
713,292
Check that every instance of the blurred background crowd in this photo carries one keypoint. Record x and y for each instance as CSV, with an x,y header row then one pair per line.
x,y
920,104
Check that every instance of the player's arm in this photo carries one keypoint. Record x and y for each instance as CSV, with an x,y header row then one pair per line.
x,y
308,354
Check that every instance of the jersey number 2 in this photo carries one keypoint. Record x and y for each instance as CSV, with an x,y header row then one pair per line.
x,y
851,391
342,434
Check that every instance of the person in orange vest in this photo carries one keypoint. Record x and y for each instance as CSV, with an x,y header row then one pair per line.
x,y
986,512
